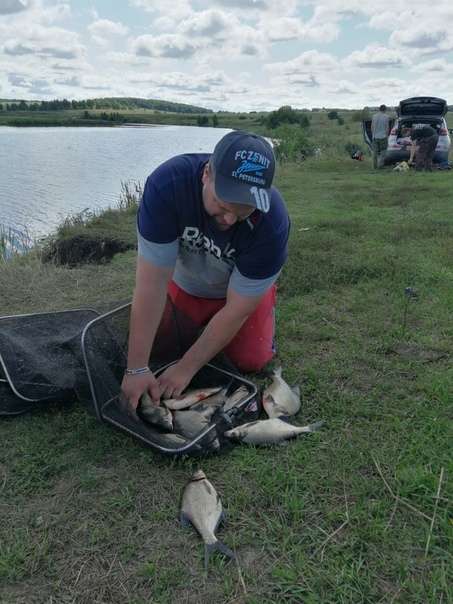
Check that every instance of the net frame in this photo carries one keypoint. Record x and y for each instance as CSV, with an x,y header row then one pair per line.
x,y
110,405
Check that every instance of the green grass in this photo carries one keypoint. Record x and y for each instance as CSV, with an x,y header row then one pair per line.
x,y
358,513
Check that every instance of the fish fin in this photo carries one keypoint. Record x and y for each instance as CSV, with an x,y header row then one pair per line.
x,y
287,419
145,398
269,398
249,424
219,547
296,390
314,427
233,438
222,520
309,428
277,371
185,522
228,388
277,411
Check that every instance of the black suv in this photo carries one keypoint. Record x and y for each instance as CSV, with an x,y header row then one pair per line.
x,y
416,110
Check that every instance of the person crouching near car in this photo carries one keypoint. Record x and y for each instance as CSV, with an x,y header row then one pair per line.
x,y
427,138
213,234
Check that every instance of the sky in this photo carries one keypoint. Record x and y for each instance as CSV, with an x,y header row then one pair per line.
x,y
228,55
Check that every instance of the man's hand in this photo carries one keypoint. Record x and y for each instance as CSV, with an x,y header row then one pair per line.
x,y
134,386
174,379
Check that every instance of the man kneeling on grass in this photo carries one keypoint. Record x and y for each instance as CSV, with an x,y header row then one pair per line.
x,y
213,234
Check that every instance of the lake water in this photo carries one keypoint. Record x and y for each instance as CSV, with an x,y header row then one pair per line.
x,y
48,174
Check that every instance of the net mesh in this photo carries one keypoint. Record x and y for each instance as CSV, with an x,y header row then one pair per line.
x,y
39,357
80,355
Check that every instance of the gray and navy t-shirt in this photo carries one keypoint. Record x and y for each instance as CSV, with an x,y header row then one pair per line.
x,y
175,230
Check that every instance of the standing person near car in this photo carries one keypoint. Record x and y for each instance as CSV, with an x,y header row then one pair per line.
x,y
379,135
427,138
213,235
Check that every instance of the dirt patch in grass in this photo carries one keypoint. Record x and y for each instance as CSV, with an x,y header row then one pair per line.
x,y
417,353
85,249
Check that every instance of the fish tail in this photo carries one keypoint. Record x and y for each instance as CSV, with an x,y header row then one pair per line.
x,y
209,548
314,427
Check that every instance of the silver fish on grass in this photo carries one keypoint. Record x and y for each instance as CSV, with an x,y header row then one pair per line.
x,y
189,397
159,416
279,399
201,507
275,431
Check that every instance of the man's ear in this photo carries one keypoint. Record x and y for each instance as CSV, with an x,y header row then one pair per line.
x,y
205,175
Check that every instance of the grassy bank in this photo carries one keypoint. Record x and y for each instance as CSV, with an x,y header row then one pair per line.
x,y
360,512
75,118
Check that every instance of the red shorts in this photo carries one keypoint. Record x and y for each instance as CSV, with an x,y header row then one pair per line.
x,y
253,346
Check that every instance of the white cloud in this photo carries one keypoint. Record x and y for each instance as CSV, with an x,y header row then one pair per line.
x,y
103,29
46,42
311,62
291,28
168,46
436,66
106,28
234,55
375,57
179,9
422,41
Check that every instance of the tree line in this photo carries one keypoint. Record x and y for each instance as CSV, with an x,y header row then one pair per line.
x,y
113,103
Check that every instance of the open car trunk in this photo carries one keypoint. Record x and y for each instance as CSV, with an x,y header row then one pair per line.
x,y
422,106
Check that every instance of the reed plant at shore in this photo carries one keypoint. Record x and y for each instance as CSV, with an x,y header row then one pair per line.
x,y
12,242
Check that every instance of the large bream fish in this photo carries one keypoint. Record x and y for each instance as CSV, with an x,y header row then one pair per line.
x,y
159,416
189,423
275,431
189,398
279,398
201,507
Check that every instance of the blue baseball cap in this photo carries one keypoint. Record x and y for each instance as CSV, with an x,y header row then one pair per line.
x,y
244,169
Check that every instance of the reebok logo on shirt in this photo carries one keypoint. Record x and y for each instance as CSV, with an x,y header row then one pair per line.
x,y
194,242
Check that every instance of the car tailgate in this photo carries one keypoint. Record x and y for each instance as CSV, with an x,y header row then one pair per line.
x,y
422,106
